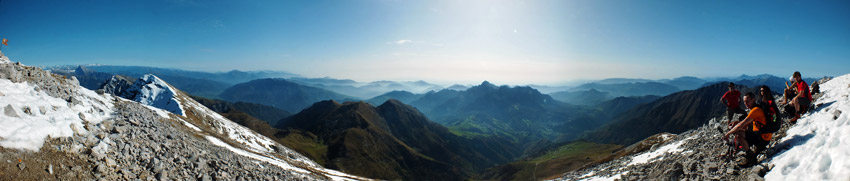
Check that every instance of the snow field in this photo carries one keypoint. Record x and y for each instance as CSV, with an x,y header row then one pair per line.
x,y
30,116
820,144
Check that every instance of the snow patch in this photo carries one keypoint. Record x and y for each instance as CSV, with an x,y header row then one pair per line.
x,y
820,148
155,92
31,115
235,131
4,59
274,161
190,125
609,178
649,156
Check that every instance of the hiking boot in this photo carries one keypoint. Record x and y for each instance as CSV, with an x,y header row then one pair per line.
x,y
794,120
749,159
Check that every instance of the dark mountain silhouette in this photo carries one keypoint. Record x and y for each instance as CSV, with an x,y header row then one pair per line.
x,y
776,84
587,97
674,113
365,90
402,96
618,105
279,93
393,141
457,87
686,82
622,81
88,78
265,113
630,89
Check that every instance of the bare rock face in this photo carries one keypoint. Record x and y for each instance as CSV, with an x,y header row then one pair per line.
x,y
119,86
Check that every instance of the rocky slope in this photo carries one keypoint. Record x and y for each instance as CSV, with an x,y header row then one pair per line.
x,y
54,128
675,113
694,154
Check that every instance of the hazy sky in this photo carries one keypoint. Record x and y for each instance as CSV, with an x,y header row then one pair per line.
x,y
506,42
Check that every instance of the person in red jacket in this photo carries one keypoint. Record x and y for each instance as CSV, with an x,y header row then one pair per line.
x,y
803,99
732,100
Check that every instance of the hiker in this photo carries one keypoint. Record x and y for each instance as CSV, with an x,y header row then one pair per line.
x,y
803,98
767,102
732,100
746,137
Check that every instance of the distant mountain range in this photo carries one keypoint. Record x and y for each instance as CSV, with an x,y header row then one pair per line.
x,y
520,114
261,112
231,77
192,83
586,97
391,141
366,90
280,93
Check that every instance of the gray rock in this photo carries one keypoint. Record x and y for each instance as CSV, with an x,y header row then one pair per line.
x,y
50,169
205,177
101,168
10,111
22,165
835,114
110,162
162,175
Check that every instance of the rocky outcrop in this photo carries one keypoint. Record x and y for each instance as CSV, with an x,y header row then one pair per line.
x,y
118,85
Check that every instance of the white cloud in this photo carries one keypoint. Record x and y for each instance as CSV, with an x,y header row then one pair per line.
x,y
402,42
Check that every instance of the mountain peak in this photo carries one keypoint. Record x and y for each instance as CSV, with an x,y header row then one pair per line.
x,y
487,83
149,90
82,69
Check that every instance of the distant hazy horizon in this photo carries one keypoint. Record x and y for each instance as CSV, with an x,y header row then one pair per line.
x,y
444,42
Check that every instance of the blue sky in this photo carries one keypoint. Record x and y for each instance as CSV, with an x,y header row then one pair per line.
x,y
505,42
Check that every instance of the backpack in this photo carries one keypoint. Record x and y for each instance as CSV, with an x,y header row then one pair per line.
x,y
773,121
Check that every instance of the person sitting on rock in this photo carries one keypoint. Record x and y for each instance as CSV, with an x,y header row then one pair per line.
x,y
745,136
732,99
768,102
803,99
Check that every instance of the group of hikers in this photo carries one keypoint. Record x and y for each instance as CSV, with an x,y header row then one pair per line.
x,y
763,119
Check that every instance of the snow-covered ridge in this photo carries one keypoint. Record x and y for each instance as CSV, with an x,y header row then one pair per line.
x,y
819,142
159,95
152,91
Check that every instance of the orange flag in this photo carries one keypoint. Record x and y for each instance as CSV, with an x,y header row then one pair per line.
x,y
5,42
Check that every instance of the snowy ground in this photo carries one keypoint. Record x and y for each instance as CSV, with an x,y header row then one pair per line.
x,y
819,142
32,115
